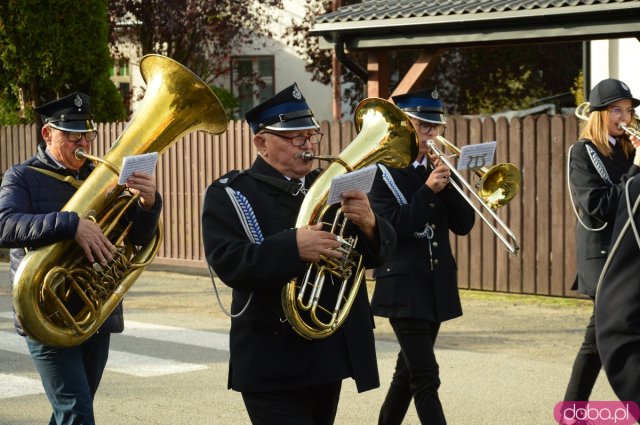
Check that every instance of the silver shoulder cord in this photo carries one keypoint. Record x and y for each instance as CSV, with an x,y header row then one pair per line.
x,y
573,205
230,192
630,222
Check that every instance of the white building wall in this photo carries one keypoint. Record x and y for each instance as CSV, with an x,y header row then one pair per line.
x,y
289,66
619,59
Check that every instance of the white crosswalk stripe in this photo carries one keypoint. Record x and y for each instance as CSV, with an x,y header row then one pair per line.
x,y
119,361
16,386
216,341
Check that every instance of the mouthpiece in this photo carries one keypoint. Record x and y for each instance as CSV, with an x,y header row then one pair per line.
x,y
79,153
630,130
306,156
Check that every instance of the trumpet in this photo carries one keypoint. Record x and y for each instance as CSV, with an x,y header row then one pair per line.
x,y
631,130
583,110
497,186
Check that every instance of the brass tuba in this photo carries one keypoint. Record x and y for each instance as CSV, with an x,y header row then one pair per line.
x,y
386,135
176,102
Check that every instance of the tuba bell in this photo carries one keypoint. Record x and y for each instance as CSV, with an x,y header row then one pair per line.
x,y
386,135
176,102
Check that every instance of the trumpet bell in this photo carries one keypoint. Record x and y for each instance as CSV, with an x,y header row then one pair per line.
x,y
500,184
583,111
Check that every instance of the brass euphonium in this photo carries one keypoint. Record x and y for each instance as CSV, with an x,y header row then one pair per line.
x,y
386,135
176,102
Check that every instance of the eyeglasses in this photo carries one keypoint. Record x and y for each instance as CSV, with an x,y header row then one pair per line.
x,y
299,141
74,136
617,111
427,128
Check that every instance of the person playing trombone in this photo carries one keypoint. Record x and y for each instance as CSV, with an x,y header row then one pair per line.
x,y
418,289
600,164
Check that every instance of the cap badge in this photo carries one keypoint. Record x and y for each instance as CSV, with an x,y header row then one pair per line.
x,y
434,93
624,86
296,93
77,101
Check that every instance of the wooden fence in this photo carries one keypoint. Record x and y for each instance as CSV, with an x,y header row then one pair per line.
x,y
540,216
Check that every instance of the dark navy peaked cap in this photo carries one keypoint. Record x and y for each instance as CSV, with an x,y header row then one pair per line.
x,y
69,113
285,111
423,105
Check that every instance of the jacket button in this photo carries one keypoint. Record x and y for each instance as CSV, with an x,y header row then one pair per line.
x,y
435,261
435,244
603,252
433,226
388,270
432,205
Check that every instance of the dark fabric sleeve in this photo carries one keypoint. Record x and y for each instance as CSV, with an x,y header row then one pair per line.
x,y
374,256
145,222
21,225
461,216
591,194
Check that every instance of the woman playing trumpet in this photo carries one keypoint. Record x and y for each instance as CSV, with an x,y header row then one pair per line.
x,y
600,163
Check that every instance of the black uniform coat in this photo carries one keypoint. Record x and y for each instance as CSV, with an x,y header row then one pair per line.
x,y
420,282
266,354
596,200
618,307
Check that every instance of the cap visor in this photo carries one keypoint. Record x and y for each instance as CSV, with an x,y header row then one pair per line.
x,y
304,123
79,126
428,117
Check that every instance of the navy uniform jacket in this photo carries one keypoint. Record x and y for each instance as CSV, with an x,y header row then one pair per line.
x,y
618,306
266,354
595,196
30,216
421,280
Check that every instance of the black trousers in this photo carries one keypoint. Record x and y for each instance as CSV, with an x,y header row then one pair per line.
x,y
305,406
416,375
586,366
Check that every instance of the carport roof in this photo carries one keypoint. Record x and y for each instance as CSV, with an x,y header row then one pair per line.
x,y
414,24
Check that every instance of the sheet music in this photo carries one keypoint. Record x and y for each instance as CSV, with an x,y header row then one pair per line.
x,y
476,156
360,180
130,164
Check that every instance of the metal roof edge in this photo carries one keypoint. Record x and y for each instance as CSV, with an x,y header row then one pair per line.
x,y
410,24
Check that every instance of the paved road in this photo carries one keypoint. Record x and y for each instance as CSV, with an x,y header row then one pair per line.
x,y
506,361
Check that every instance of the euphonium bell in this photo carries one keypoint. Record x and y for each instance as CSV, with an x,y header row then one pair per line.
x,y
386,135
176,102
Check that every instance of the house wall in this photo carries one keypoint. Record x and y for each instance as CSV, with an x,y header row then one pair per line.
x,y
617,58
289,66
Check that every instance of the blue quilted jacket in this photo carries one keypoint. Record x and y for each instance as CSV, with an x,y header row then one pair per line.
x,y
30,216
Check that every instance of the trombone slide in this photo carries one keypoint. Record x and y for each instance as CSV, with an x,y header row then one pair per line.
x,y
502,231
